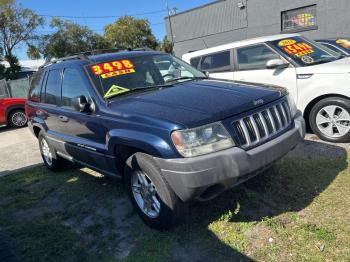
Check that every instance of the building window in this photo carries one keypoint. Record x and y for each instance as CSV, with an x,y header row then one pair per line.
x,y
300,19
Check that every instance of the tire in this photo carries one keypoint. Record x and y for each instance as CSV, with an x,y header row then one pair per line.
x,y
330,119
171,209
17,119
51,160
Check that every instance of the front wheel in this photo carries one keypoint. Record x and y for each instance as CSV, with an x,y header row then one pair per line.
x,y
17,119
154,200
330,119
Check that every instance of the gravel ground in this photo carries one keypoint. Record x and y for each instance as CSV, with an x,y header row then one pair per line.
x,y
18,150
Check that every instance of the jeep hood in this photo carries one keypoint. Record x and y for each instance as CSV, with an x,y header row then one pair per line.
x,y
195,103
341,66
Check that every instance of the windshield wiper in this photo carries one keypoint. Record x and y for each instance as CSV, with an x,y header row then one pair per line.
x,y
140,89
186,78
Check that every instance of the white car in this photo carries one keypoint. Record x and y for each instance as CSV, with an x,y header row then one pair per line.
x,y
317,78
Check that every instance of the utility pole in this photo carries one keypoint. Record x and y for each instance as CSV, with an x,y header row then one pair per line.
x,y
170,25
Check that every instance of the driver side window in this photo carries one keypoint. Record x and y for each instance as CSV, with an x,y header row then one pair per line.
x,y
73,86
255,57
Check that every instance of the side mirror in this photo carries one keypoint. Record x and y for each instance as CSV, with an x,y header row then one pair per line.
x,y
206,73
276,64
81,104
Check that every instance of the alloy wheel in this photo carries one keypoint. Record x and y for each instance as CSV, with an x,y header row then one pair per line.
x,y
333,121
19,119
145,194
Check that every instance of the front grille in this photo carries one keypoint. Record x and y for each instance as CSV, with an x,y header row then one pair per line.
x,y
260,126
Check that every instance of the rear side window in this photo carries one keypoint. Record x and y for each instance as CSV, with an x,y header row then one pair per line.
x,y
216,62
73,86
254,57
195,62
35,87
53,87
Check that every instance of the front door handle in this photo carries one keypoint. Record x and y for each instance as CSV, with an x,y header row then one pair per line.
x,y
63,118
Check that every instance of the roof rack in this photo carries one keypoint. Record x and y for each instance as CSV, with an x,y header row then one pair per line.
x,y
142,49
101,51
84,55
73,57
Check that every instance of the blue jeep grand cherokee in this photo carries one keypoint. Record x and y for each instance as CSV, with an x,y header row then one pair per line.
x,y
171,133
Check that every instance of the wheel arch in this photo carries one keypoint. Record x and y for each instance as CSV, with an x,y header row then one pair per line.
x,y
124,143
36,131
12,108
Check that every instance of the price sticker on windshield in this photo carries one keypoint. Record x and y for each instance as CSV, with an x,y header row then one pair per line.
x,y
344,43
291,47
113,68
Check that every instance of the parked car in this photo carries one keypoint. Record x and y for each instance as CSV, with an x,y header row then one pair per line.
x,y
12,112
170,140
25,73
340,45
316,77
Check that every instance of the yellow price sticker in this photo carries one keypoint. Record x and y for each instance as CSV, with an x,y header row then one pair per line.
x,y
287,42
115,90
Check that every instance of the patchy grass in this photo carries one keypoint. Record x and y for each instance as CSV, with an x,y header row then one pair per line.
x,y
296,211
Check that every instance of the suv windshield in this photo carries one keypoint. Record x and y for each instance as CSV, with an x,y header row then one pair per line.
x,y
305,52
142,72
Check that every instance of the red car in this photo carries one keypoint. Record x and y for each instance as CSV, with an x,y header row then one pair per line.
x,y
12,112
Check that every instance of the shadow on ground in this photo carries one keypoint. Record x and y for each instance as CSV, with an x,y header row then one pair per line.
x,y
4,128
289,186
73,216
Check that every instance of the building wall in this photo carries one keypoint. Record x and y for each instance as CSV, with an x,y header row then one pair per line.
x,y
223,22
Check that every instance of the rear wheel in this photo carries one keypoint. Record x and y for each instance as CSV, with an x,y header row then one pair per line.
x,y
330,119
17,119
154,200
51,160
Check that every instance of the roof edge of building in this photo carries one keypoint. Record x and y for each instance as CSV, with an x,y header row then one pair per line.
x,y
195,8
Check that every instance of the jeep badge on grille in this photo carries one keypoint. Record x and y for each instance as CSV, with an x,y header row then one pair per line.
x,y
258,102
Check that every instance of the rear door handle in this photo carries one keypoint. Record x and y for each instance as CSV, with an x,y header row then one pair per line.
x,y
63,118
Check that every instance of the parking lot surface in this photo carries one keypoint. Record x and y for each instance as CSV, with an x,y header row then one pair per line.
x,y
18,150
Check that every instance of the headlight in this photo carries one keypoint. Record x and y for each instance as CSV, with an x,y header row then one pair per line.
x,y
202,140
292,106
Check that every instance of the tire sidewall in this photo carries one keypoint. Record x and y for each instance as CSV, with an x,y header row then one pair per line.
x,y
342,102
11,123
167,198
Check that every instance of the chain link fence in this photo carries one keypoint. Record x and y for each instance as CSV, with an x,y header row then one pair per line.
x,y
4,91
14,88
19,88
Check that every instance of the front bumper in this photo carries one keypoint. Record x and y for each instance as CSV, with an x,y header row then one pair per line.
x,y
193,177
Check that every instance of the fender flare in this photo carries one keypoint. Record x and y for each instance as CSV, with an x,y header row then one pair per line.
x,y
148,143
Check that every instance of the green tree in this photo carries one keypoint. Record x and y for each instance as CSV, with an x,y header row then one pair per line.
x,y
167,46
69,38
17,27
129,32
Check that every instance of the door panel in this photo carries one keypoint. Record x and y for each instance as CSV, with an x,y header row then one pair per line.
x,y
223,75
85,137
251,64
280,77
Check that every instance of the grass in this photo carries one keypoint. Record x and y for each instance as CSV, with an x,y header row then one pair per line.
x,y
296,211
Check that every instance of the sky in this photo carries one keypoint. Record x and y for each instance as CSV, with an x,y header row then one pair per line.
x,y
155,9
